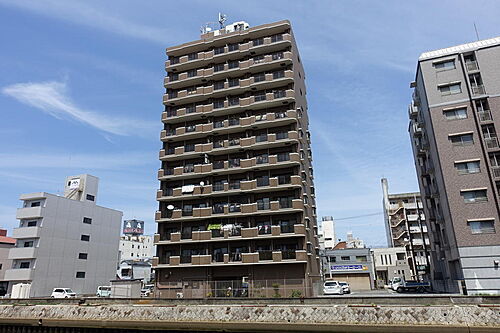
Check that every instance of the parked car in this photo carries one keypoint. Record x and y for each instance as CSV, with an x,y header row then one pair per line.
x,y
345,287
332,288
145,292
399,284
103,291
63,293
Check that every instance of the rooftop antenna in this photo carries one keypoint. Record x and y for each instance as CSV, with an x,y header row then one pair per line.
x,y
222,19
475,28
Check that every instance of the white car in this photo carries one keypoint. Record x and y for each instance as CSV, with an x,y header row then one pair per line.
x,y
332,288
345,287
63,293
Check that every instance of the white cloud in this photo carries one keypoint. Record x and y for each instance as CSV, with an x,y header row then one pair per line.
x,y
51,97
82,13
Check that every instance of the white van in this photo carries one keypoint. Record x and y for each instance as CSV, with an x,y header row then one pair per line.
x,y
103,291
63,293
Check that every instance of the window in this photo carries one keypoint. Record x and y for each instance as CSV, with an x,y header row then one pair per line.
x,y
260,97
258,42
467,167
445,65
24,264
345,258
455,114
90,197
0,266
218,67
278,74
31,224
333,259
276,38
35,204
82,256
482,227
233,64
450,89
259,77
233,47
85,238
219,85
131,254
218,104
233,82
361,258
462,140
474,196
87,220
192,73
192,56
28,244
219,50
80,275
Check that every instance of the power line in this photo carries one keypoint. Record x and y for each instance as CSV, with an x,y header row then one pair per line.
x,y
358,216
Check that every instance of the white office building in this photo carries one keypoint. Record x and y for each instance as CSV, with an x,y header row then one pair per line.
x,y
65,241
327,238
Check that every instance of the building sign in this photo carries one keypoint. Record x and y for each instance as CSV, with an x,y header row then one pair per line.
x,y
343,268
74,183
134,227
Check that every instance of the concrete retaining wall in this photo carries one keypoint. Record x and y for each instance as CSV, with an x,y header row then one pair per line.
x,y
263,318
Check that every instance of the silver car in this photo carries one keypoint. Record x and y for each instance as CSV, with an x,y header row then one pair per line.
x,y
345,287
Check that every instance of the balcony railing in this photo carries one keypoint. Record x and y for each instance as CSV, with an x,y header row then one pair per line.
x,y
478,90
484,115
495,170
471,65
491,142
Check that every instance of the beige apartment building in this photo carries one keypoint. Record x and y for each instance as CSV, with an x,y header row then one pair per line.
x,y
236,202
406,227
454,117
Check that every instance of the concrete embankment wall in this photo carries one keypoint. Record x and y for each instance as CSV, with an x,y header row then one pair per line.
x,y
261,318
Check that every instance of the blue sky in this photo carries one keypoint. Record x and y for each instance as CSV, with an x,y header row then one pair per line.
x,y
81,91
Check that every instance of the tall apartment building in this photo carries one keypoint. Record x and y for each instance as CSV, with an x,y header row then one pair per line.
x,y
406,227
454,117
65,241
237,199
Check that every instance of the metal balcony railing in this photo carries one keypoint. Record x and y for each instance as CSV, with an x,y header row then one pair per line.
x,y
491,142
484,115
478,90
471,65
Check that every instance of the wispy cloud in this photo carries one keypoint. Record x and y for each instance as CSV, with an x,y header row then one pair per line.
x,y
51,97
102,161
84,14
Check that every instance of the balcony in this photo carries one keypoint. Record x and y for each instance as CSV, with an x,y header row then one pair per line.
x,y
229,106
26,232
228,146
231,166
29,213
22,253
232,234
229,210
271,119
275,184
202,59
234,258
268,81
19,274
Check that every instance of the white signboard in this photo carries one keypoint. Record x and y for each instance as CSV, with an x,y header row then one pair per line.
x,y
74,183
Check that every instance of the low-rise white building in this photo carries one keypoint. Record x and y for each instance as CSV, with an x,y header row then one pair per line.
x,y
136,247
65,241
390,262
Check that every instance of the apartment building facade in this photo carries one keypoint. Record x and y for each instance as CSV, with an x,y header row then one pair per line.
x,y
136,247
236,201
65,241
406,227
454,118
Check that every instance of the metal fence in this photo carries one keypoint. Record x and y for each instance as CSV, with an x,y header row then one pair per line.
x,y
277,288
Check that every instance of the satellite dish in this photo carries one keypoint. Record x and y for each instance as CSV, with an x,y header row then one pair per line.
x,y
170,207
202,183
